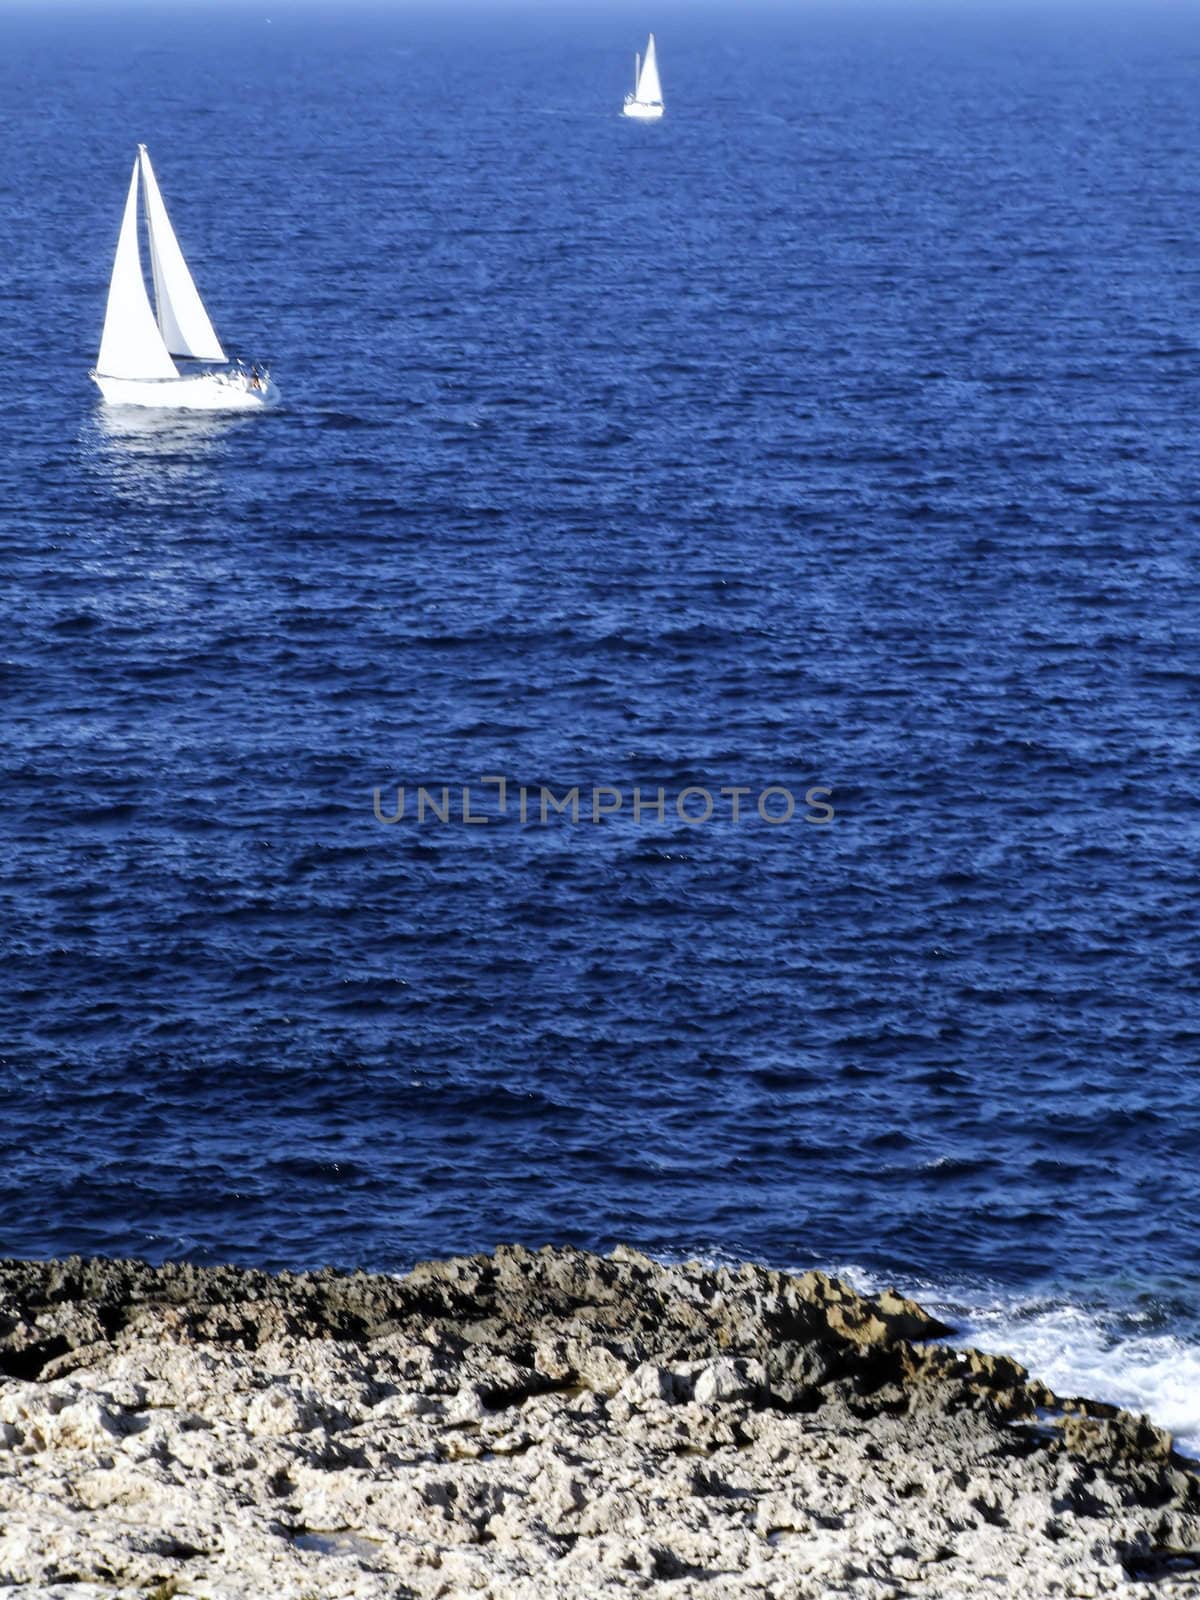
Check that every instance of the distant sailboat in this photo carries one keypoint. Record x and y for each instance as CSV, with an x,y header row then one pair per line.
x,y
646,101
139,347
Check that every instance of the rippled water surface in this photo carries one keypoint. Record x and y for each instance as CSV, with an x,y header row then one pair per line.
x,y
840,430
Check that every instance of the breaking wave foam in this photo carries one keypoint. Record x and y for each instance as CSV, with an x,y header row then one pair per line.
x,y
1086,1353
1080,1351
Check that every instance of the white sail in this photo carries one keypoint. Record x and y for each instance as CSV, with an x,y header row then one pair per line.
x,y
185,324
649,89
131,345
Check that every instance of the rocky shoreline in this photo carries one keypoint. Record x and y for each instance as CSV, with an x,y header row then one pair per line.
x,y
550,1425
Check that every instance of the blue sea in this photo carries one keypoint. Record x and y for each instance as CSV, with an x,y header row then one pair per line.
x,y
839,432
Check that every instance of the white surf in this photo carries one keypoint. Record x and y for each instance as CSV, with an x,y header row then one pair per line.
x,y
1122,1357
1087,1353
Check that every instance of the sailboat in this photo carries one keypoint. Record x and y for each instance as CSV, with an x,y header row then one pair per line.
x,y
140,347
646,101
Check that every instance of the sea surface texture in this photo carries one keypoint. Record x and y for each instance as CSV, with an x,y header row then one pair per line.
x,y
839,431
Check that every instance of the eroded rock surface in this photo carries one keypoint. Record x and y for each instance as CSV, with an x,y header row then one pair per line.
x,y
550,1425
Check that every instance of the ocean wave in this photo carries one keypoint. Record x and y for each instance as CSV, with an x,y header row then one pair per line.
x,y
1100,1355
1132,1355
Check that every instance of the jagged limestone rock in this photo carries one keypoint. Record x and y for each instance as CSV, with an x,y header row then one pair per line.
x,y
550,1425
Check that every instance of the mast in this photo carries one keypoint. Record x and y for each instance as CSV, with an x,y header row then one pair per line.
x,y
637,72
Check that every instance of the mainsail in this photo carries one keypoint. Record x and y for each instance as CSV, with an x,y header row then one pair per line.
x,y
131,345
185,324
649,89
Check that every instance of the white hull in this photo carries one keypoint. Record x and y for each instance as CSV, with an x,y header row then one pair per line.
x,y
207,391
646,110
